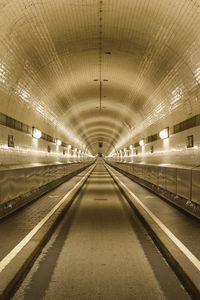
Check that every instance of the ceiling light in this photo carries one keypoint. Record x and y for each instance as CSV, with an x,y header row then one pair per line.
x,y
164,133
36,133
141,142
58,142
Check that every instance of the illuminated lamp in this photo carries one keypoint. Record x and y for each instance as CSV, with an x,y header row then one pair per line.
x,y
130,147
69,147
141,142
164,134
58,142
36,133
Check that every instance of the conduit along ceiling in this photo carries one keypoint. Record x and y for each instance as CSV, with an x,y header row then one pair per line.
x,y
99,72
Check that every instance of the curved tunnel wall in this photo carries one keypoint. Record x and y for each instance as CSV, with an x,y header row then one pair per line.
x,y
173,150
145,58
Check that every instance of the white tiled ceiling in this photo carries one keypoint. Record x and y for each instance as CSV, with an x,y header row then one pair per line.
x,y
50,57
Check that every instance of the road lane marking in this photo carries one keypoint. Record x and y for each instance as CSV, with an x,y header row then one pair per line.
x,y
176,241
7,259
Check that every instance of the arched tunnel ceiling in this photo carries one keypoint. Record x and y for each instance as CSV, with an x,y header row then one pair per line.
x,y
99,70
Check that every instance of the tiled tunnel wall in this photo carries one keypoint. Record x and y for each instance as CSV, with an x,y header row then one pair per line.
x,y
30,150
169,151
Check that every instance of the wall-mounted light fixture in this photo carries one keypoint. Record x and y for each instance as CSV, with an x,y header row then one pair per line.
x,y
58,142
36,133
164,134
141,142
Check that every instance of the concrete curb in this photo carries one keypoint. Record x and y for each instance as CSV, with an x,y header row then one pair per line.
x,y
19,264
186,271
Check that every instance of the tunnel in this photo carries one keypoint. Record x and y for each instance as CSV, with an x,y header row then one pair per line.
x,y
99,149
